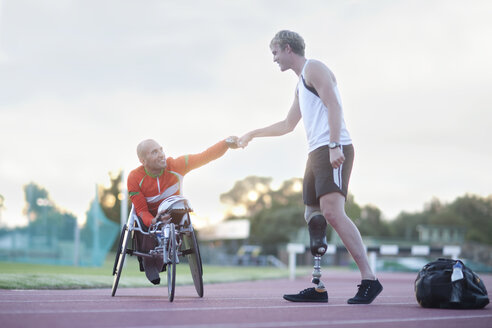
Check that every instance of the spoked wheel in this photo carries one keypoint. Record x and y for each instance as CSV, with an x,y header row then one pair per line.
x,y
120,258
194,259
172,255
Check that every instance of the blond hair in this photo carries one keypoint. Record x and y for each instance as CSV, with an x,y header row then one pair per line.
x,y
293,39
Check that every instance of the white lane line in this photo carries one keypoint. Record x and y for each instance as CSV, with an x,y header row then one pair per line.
x,y
132,299
185,308
321,323
164,298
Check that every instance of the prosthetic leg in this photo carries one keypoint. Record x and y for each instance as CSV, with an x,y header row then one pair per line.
x,y
317,233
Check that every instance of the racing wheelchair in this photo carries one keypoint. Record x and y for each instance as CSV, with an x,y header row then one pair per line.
x,y
175,238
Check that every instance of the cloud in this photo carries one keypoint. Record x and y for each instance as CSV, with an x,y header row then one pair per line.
x,y
84,81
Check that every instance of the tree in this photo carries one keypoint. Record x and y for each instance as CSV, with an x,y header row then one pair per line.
x,y
352,209
37,200
110,198
471,213
370,222
475,214
275,215
254,194
276,226
248,196
45,218
2,207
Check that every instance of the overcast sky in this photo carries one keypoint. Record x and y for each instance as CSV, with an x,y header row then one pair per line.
x,y
82,82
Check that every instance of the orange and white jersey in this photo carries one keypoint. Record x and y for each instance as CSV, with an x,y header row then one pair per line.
x,y
147,191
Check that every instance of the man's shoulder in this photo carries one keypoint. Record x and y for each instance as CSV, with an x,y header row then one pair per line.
x,y
315,62
316,70
176,164
138,172
171,161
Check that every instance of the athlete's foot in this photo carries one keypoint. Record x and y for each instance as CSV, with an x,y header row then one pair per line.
x,y
368,290
309,295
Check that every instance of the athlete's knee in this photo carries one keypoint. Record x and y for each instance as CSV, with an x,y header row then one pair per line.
x,y
317,233
336,219
331,216
333,208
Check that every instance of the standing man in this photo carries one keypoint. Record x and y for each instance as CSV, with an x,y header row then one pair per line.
x,y
158,178
329,164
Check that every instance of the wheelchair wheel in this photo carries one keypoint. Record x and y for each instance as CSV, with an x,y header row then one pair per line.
x,y
194,260
120,259
171,267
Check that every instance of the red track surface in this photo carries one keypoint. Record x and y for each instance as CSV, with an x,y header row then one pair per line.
x,y
243,305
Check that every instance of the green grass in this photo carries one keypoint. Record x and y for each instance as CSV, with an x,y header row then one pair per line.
x,y
37,276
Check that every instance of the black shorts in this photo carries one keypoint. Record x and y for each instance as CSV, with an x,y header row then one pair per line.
x,y
320,178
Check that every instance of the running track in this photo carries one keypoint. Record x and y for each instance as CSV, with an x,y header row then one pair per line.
x,y
235,305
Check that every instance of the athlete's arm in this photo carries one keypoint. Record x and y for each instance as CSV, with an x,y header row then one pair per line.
x,y
193,161
322,79
277,129
142,210
139,201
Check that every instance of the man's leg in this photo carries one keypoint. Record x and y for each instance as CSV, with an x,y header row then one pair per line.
x,y
333,209
317,240
318,245
152,266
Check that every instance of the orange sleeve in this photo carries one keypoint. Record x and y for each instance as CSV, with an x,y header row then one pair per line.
x,y
138,199
196,160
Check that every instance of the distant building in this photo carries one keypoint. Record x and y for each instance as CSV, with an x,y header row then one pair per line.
x,y
219,243
441,234
226,230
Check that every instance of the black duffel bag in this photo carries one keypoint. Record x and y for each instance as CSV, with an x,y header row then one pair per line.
x,y
449,284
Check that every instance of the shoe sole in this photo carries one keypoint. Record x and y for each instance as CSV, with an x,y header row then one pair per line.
x,y
304,300
368,301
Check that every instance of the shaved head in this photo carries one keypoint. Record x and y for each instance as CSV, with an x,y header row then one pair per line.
x,y
151,156
144,146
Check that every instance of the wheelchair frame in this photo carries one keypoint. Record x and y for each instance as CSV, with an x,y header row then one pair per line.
x,y
175,237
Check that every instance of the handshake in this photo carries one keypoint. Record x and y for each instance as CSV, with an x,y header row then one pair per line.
x,y
234,142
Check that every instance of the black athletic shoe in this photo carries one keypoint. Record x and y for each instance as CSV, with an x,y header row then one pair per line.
x,y
368,290
308,295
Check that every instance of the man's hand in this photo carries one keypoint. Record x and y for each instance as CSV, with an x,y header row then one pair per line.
x,y
232,142
161,217
336,157
244,140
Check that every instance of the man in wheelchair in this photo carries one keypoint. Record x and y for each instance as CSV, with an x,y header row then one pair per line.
x,y
158,178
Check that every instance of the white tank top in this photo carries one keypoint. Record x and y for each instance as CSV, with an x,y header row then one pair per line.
x,y
315,116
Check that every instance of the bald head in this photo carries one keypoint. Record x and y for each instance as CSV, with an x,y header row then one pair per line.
x,y
151,155
144,146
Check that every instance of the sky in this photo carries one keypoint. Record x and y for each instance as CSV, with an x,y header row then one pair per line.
x,y
83,81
